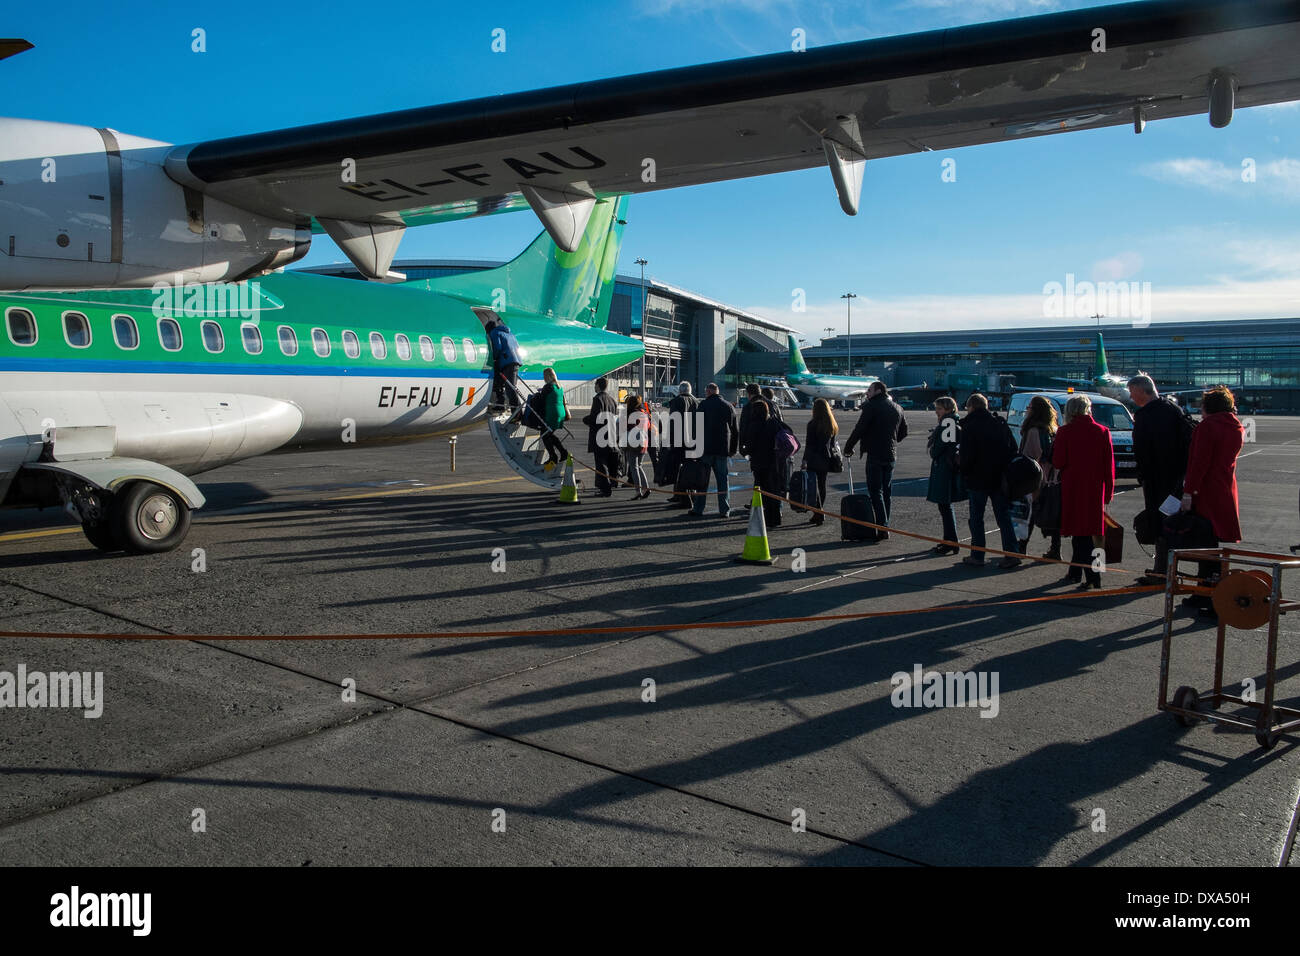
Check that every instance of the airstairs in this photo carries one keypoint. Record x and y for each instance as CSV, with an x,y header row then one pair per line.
x,y
522,447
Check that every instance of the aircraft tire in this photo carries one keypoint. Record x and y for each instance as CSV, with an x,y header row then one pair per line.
x,y
149,518
103,535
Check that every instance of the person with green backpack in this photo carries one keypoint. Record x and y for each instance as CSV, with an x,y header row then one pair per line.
x,y
548,413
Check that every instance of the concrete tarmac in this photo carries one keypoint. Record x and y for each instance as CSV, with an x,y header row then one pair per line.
x,y
547,750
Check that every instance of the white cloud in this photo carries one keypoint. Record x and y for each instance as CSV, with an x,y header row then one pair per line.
x,y
1278,178
1222,300
1125,265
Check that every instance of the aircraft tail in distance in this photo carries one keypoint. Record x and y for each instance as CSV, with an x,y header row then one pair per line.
x,y
796,357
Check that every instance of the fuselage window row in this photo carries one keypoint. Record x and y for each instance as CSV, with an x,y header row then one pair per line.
x,y
22,328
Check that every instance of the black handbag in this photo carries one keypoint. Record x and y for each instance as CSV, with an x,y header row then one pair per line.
x,y
1146,528
835,456
1047,509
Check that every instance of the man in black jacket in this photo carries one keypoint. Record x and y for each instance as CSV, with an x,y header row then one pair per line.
x,y
1161,440
880,428
602,438
986,447
721,439
681,410
749,424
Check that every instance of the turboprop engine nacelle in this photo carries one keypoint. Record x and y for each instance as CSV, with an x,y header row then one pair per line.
x,y
84,208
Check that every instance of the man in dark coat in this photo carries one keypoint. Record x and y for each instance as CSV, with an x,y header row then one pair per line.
x,y
769,471
985,447
880,428
750,424
505,365
681,409
748,421
721,439
1161,440
602,438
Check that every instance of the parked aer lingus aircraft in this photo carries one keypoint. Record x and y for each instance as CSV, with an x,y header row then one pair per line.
x,y
84,207
111,399
829,387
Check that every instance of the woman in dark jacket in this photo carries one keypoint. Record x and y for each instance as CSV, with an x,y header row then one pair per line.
x,y
817,450
768,475
945,477
1036,436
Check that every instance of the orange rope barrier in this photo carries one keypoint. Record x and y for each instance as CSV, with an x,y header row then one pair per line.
x,y
581,631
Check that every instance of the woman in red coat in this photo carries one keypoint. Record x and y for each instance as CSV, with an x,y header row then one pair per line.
x,y
1083,455
1210,488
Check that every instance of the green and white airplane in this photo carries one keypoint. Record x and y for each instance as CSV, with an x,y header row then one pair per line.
x,y
111,400
1105,382
829,387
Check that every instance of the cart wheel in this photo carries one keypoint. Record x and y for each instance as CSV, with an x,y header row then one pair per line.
x,y
1265,736
1186,698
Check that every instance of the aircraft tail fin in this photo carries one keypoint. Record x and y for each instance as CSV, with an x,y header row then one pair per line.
x,y
546,280
1102,370
796,357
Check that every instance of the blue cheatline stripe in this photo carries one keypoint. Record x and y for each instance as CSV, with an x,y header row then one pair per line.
x,y
118,366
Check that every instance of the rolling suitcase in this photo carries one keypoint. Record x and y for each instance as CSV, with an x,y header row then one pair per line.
x,y
803,491
692,476
858,507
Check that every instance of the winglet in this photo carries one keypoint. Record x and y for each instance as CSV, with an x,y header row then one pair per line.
x,y
10,48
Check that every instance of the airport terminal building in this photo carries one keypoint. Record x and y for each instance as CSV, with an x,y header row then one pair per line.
x,y
691,337
687,336
1258,359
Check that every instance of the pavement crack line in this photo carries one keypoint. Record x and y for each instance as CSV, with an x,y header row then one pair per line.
x,y
414,707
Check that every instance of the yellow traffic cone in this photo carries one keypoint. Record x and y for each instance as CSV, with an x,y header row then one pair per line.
x,y
756,550
569,488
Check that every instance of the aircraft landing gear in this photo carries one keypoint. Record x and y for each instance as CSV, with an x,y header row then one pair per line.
x,y
101,535
96,511
148,518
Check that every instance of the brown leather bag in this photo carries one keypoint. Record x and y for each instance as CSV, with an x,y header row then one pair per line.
x,y
1114,540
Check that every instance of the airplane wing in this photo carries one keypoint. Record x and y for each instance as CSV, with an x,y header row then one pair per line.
x,y
556,149
1083,383
10,48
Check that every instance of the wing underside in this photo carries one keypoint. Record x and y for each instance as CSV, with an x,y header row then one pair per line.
x,y
838,105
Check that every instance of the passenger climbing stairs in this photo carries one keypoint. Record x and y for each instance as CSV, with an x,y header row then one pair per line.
x,y
522,447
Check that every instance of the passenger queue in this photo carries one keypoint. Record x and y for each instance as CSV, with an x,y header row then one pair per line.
x,y
1056,477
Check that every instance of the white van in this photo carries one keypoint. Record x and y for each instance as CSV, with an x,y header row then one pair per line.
x,y
1106,411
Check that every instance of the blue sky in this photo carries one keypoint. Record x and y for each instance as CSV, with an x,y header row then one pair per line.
x,y
1167,207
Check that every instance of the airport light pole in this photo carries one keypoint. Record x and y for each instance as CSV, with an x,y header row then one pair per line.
x,y
848,298
643,263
